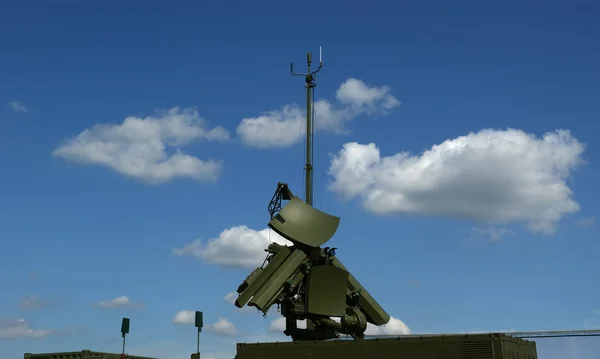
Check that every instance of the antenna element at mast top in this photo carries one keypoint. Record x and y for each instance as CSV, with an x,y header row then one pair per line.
x,y
310,79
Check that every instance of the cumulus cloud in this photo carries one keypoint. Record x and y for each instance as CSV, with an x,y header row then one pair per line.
x,y
16,106
492,176
19,329
185,317
118,302
31,302
364,99
138,147
286,126
394,327
238,246
222,326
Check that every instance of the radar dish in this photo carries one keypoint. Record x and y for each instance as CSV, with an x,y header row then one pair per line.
x,y
302,224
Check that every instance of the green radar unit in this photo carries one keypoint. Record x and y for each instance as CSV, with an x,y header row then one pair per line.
x,y
306,279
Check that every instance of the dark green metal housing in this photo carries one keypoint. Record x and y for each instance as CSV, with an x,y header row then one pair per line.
x,y
458,346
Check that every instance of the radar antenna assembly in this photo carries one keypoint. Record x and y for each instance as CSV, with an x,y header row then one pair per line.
x,y
308,282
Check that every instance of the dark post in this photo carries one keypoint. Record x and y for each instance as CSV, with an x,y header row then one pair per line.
x,y
199,326
124,332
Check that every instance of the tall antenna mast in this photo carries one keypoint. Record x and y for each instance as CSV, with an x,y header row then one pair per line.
x,y
310,78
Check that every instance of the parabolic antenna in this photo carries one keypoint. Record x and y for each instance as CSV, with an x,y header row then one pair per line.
x,y
302,224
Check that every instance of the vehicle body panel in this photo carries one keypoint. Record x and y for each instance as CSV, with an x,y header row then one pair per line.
x,y
459,346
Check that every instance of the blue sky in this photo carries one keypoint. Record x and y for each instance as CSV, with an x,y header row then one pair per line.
x,y
141,143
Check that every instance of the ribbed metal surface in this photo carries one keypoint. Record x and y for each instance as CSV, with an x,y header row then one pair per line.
x,y
481,349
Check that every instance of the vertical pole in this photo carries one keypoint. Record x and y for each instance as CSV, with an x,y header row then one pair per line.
x,y
198,323
124,330
198,344
291,324
309,167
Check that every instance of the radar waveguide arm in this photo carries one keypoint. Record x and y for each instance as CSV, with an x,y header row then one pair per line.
x,y
307,281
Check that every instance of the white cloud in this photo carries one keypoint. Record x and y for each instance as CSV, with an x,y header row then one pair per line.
x,y
31,302
235,247
284,127
231,297
492,176
17,107
393,327
586,221
138,147
364,99
118,302
19,329
185,317
222,326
